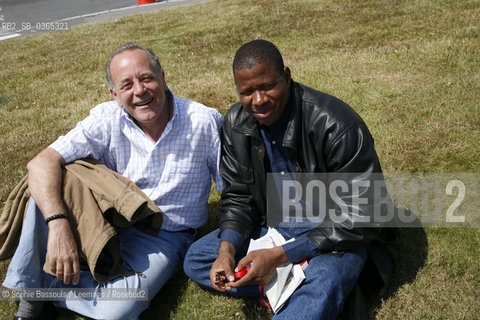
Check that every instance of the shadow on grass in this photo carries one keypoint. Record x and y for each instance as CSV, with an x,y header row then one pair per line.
x,y
411,255
253,309
166,301
213,218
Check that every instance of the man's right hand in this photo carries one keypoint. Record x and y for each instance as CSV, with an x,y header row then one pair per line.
x,y
224,264
45,185
62,251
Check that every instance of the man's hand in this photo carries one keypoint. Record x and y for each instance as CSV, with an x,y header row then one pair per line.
x,y
45,185
263,265
63,252
223,266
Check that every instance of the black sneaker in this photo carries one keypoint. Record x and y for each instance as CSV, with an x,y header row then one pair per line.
x,y
49,312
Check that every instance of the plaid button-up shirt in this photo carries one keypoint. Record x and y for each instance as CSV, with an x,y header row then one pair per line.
x,y
175,172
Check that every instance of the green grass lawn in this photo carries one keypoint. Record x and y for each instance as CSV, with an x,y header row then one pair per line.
x,y
411,69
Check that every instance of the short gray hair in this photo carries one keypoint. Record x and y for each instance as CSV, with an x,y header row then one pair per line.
x,y
154,62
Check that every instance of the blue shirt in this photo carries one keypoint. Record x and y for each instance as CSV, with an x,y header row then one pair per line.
x,y
175,172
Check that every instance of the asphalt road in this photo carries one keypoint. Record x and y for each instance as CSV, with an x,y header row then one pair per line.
x,y
24,17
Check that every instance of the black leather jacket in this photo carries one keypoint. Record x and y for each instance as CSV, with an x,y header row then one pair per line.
x,y
323,135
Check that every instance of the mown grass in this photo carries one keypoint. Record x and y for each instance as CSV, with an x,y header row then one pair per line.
x,y
410,68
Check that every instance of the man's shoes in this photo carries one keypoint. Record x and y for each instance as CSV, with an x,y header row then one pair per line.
x,y
48,312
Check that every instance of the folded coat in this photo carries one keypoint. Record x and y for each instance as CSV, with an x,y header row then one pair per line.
x,y
98,200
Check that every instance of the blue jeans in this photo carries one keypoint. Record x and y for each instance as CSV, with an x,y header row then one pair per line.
x,y
154,260
329,279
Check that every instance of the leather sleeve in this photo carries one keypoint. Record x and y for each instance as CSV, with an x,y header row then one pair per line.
x,y
238,206
350,155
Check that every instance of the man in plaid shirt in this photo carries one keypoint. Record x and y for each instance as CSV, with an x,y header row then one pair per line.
x,y
168,146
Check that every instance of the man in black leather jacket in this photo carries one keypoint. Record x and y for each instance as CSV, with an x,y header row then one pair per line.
x,y
283,127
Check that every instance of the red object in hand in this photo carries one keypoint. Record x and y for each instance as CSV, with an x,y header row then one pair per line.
x,y
241,273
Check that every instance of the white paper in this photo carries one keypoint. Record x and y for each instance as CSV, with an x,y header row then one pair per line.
x,y
287,278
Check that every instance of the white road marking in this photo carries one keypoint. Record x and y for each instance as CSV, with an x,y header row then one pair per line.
x,y
10,36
